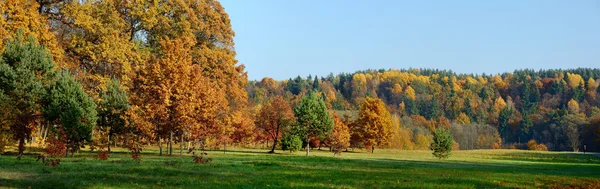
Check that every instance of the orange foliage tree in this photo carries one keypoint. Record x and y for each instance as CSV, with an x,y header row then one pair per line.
x,y
274,118
340,139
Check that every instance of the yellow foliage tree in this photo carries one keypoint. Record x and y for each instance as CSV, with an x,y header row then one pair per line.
x,y
463,119
402,137
24,14
573,106
422,142
375,124
499,104
410,93
574,80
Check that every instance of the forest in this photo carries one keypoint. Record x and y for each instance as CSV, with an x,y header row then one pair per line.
x,y
555,107
111,73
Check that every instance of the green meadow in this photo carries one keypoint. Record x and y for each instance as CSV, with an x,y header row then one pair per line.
x,y
254,168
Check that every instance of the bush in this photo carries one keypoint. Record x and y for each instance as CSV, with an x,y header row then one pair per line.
x,y
202,158
103,155
533,145
455,145
291,142
442,143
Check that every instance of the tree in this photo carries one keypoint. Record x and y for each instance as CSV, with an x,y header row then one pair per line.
x,y
26,69
19,15
572,123
340,139
442,143
111,109
172,97
119,39
573,106
274,118
410,93
312,118
68,105
375,123
463,119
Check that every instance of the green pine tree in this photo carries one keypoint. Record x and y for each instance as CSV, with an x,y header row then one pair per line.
x,y
312,118
26,68
67,104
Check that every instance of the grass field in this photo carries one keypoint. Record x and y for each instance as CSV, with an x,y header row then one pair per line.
x,y
248,168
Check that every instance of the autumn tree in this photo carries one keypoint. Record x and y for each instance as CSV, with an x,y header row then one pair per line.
x,y
68,105
312,118
274,118
24,15
340,138
375,123
118,39
174,98
26,69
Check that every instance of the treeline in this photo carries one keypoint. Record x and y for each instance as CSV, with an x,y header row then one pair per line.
x,y
555,107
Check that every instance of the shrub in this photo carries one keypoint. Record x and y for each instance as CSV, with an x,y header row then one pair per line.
x,y
291,142
455,145
103,155
533,145
442,143
202,158
55,148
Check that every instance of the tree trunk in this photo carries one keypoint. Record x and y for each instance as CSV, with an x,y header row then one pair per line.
x,y
274,144
46,133
160,146
21,147
307,146
224,146
181,145
171,144
108,141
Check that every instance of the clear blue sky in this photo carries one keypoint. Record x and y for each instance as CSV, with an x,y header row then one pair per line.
x,y
286,38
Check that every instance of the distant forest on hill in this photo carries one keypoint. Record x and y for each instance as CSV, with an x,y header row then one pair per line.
x,y
555,107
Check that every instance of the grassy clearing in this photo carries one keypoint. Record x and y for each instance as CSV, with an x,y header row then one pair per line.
x,y
249,168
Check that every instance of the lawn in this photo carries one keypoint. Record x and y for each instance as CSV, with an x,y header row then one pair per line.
x,y
252,168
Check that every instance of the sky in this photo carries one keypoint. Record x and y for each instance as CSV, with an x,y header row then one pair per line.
x,y
282,39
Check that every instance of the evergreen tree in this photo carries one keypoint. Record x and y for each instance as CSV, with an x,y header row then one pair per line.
x,y
112,108
68,105
469,109
315,84
503,118
26,68
442,143
312,118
